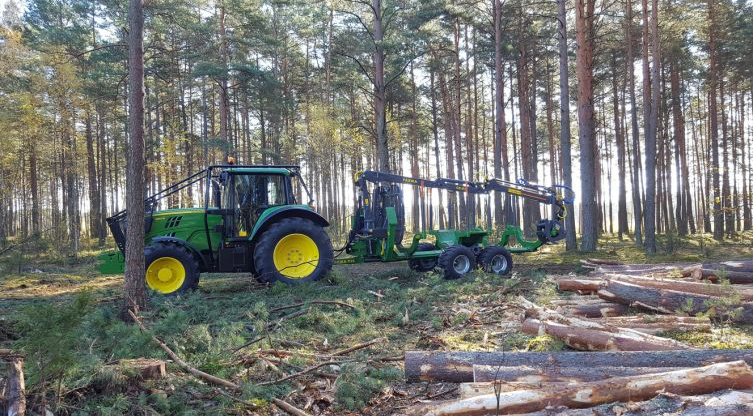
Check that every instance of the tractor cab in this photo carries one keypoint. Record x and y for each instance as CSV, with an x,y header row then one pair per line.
x,y
243,195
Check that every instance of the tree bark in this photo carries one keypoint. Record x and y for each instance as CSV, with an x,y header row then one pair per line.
x,y
637,210
380,95
134,290
457,366
584,16
549,374
567,171
714,123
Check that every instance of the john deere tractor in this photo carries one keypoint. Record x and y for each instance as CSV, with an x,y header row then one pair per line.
x,y
250,222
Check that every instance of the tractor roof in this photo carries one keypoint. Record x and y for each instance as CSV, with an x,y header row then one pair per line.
x,y
270,170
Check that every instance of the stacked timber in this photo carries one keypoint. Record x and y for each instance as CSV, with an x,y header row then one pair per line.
x,y
591,335
500,397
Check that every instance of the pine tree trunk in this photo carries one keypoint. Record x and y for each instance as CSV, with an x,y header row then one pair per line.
x,y
566,158
586,134
134,291
714,124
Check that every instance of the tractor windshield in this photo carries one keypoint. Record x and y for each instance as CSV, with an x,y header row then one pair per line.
x,y
251,194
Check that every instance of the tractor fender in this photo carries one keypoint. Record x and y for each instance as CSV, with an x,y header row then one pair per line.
x,y
286,212
184,243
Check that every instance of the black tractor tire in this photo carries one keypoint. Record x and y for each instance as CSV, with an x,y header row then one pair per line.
x,y
456,262
496,260
264,253
423,265
170,254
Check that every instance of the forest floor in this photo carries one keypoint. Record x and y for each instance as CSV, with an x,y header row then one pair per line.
x,y
64,316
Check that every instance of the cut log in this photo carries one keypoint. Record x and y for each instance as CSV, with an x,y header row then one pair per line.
x,y
596,310
616,339
457,366
734,277
549,374
590,335
654,324
468,390
745,293
15,387
701,380
722,403
146,368
579,285
672,301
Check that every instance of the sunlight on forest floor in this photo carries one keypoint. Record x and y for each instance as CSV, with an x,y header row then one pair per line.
x,y
414,311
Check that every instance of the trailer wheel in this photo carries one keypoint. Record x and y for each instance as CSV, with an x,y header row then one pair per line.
x,y
495,259
457,262
426,264
293,250
170,269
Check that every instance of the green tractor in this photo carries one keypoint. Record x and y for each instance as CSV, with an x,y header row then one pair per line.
x,y
250,222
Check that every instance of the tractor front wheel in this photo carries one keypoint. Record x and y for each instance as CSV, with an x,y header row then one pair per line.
x,y
293,250
495,259
170,268
457,262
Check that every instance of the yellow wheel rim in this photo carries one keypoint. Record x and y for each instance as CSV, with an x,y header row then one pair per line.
x,y
165,275
296,256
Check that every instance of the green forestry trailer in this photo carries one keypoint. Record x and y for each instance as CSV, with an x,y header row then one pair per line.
x,y
250,222
378,226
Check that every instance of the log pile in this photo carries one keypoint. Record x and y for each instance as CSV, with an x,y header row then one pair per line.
x,y
623,363
692,381
590,335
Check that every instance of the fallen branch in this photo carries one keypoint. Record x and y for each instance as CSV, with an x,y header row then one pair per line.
x,y
283,405
195,372
300,373
321,302
701,380
359,346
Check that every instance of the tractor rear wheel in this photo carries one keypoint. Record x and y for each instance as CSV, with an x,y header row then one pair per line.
x,y
293,250
423,264
170,269
457,262
495,259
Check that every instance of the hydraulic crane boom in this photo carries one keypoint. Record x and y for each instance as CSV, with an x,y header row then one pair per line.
x,y
388,193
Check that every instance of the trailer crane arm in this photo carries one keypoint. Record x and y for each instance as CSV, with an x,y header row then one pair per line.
x,y
389,194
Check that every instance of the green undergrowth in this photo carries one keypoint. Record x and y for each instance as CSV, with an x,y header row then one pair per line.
x,y
73,335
